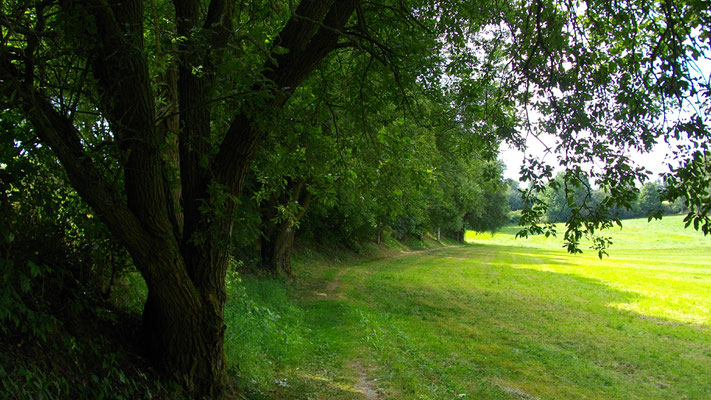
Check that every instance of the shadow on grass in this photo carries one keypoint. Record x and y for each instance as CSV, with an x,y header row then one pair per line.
x,y
511,320
436,327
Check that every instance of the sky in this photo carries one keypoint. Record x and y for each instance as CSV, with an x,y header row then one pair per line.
x,y
512,158
654,161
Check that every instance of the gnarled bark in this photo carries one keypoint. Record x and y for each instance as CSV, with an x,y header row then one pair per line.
x,y
183,262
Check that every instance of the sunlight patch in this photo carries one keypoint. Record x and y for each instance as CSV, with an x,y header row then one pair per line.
x,y
663,316
328,382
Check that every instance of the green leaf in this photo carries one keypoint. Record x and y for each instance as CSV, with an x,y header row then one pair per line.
x,y
6,234
34,269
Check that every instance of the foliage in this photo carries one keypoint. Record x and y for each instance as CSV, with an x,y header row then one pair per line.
x,y
268,335
59,266
380,170
692,182
625,77
513,193
494,211
105,374
156,112
56,258
648,202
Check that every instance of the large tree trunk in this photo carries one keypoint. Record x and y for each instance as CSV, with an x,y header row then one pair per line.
x,y
182,256
186,338
460,235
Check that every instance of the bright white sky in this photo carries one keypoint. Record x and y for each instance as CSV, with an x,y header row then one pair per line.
x,y
654,161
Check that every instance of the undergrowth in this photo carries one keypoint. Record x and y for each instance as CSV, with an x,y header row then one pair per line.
x,y
265,333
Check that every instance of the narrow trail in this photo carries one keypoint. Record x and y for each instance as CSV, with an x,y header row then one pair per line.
x,y
331,289
335,283
364,384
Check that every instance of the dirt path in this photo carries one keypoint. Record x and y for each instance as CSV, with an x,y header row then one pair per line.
x,y
335,283
365,385
332,286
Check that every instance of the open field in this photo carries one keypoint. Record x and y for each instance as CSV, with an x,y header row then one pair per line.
x,y
497,319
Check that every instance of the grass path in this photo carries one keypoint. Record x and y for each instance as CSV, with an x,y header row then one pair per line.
x,y
364,384
498,319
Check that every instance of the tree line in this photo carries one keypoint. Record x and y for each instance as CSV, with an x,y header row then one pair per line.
x,y
648,202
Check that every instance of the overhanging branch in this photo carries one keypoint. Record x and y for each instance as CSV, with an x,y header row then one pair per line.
x,y
62,137
307,43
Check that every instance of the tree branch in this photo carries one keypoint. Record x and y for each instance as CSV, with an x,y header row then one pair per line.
x,y
286,74
62,137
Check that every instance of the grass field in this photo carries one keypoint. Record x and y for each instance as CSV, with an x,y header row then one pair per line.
x,y
497,319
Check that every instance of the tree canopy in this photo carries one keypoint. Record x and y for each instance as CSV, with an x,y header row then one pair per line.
x,y
158,111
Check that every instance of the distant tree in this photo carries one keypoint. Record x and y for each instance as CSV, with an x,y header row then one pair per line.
x,y
566,193
494,212
642,89
649,202
557,206
514,195
678,206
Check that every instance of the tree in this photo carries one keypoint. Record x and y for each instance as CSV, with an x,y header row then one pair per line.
x,y
55,256
513,192
183,260
649,201
609,79
467,193
559,196
292,171
334,155
495,211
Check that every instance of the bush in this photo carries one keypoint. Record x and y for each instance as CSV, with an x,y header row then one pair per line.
x,y
55,256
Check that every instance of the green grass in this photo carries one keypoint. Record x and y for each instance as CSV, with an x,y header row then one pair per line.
x,y
497,319
668,233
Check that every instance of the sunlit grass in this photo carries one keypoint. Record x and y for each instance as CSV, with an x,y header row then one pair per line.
x,y
635,234
503,319
668,265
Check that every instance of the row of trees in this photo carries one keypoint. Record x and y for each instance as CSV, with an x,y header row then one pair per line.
x,y
407,179
177,120
332,180
647,203
344,188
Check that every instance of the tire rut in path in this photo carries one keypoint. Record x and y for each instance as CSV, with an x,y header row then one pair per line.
x,y
365,385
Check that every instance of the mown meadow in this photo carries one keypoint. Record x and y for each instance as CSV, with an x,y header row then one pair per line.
x,y
499,318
